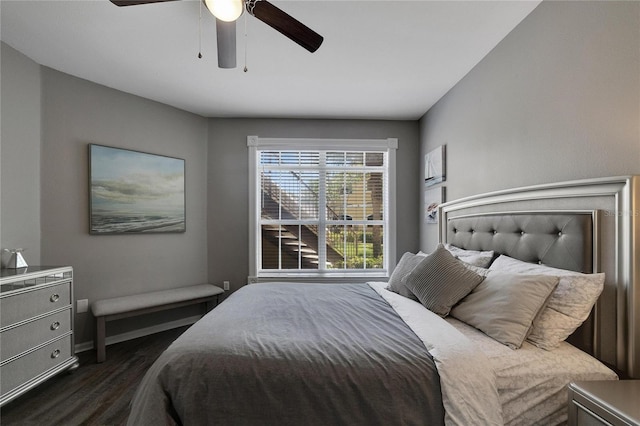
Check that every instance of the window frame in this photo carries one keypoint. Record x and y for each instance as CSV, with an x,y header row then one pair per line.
x,y
256,144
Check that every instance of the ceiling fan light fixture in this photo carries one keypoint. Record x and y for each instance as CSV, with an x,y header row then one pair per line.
x,y
225,10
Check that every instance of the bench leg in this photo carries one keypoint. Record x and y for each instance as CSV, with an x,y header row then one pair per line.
x,y
100,339
211,304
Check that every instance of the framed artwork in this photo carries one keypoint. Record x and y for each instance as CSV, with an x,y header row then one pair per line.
x,y
135,192
433,197
434,166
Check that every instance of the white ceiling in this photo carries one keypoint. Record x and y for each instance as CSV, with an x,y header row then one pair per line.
x,y
379,59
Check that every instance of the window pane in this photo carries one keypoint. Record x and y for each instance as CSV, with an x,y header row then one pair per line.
x,y
271,246
334,159
375,196
289,247
360,246
308,195
337,189
358,199
289,195
336,243
347,196
270,195
374,158
374,241
269,157
309,158
290,158
354,158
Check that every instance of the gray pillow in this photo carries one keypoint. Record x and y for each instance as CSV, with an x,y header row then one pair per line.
x,y
408,261
440,280
504,305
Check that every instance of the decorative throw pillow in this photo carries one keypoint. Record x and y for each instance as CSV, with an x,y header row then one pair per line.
x,y
408,261
473,257
478,270
504,305
440,280
568,306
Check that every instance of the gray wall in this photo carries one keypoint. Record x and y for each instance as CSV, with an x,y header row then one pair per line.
x,y
229,172
20,154
58,115
76,112
558,99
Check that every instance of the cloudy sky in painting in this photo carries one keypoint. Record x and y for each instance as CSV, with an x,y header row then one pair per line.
x,y
135,182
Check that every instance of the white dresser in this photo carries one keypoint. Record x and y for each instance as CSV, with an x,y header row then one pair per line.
x,y
36,327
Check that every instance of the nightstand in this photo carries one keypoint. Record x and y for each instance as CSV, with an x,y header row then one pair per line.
x,y
606,402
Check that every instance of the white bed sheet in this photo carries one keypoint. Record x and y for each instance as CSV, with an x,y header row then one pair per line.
x,y
467,383
532,382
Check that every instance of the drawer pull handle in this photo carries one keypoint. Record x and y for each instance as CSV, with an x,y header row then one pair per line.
x,y
54,297
55,354
55,325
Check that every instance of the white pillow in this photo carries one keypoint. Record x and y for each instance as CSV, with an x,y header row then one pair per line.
x,y
472,257
480,270
504,305
568,306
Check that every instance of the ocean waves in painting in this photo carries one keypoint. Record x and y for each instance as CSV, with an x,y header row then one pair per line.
x,y
115,223
135,192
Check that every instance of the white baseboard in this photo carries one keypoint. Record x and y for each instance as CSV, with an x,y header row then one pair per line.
x,y
84,346
87,346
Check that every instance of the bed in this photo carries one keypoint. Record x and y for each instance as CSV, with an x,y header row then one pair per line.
x,y
366,354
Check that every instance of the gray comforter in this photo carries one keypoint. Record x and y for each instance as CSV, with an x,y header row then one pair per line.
x,y
294,354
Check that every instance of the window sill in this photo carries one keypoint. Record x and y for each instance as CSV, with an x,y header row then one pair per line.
x,y
319,278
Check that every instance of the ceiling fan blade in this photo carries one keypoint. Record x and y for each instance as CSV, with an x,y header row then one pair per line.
x,y
226,38
135,2
285,24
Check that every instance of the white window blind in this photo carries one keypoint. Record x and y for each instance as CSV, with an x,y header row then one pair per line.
x,y
320,207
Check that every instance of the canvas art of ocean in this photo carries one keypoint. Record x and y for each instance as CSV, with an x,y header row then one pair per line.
x,y
134,192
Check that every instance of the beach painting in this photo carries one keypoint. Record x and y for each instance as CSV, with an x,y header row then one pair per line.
x,y
135,192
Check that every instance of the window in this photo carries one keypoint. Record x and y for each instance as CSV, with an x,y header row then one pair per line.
x,y
321,208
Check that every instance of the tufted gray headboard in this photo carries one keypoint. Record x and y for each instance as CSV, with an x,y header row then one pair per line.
x,y
590,225
562,239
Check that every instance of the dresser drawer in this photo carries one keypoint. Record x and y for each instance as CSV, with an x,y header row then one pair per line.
x,y
16,340
22,306
604,403
31,365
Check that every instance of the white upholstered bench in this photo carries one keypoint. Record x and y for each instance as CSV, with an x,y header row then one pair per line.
x,y
138,304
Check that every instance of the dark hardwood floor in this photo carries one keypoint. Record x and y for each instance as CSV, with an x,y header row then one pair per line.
x,y
93,394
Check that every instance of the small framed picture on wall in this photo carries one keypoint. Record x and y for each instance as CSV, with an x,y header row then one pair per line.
x,y
433,197
434,166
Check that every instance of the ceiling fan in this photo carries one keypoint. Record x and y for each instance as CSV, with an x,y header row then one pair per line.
x,y
227,12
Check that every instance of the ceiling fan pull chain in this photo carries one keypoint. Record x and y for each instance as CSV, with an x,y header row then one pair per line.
x,y
245,44
200,32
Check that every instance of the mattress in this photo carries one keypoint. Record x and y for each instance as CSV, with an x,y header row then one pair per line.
x,y
532,382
